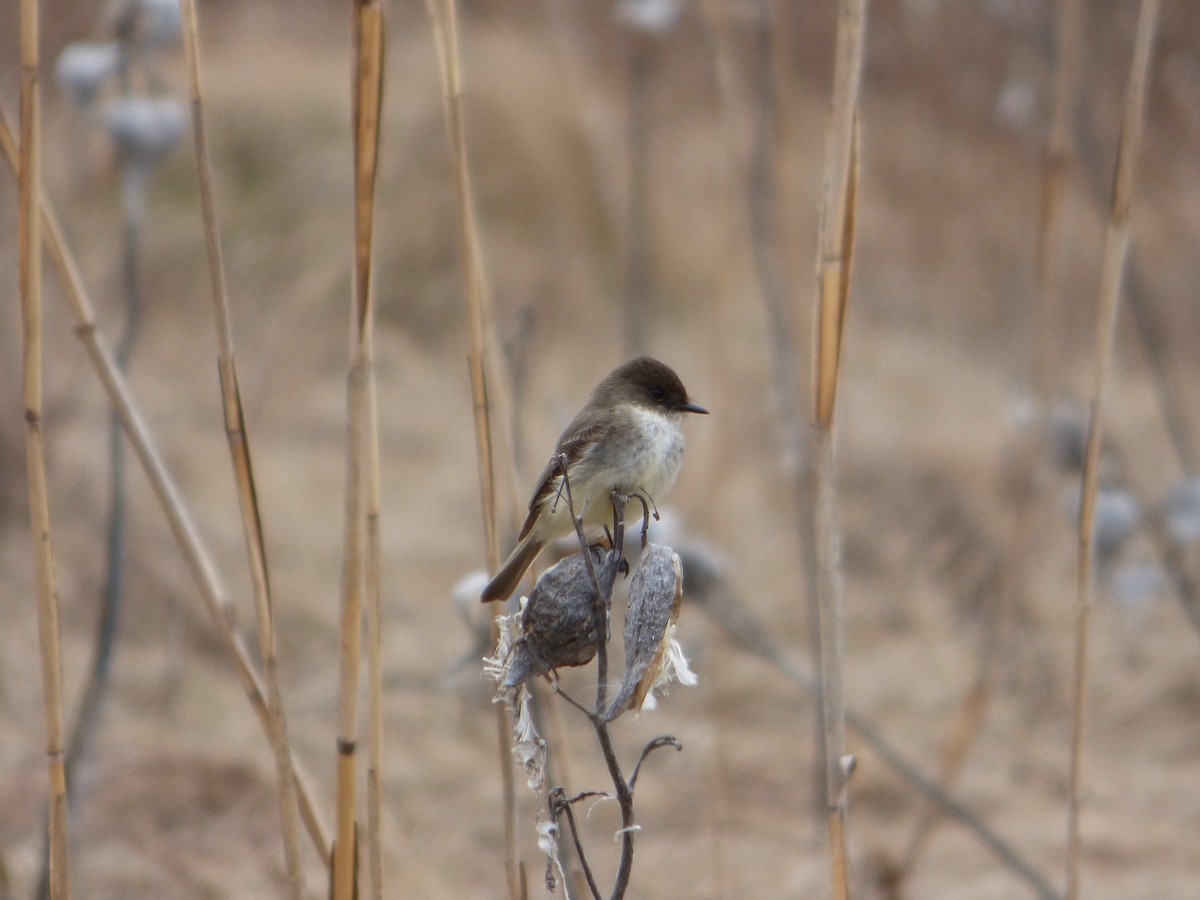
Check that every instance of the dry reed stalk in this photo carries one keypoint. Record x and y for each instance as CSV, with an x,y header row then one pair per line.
x,y
1150,330
1116,249
344,884
29,241
195,553
443,19
835,259
373,588
1059,150
368,99
239,449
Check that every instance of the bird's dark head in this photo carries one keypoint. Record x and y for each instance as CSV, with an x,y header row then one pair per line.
x,y
647,382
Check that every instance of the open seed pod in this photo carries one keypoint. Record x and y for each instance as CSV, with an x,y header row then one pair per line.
x,y
655,594
558,622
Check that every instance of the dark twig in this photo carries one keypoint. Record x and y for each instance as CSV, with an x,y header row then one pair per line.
x,y
575,703
625,799
560,804
663,740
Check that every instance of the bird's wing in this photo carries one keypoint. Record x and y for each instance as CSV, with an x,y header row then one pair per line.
x,y
580,442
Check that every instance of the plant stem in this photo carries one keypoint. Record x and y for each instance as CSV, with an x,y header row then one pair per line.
x,y
29,241
835,258
240,457
443,19
1116,248
368,64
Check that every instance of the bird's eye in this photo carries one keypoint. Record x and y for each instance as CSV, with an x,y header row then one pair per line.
x,y
657,394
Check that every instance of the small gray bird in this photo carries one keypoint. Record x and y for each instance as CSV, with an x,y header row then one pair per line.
x,y
626,439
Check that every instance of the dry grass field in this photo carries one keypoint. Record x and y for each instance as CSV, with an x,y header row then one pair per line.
x,y
954,578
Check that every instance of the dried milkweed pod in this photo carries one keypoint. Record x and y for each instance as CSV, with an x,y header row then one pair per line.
x,y
652,656
557,622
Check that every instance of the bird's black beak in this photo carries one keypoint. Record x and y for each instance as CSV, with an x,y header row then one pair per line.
x,y
693,408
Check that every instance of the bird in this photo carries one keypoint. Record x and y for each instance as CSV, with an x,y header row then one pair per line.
x,y
627,439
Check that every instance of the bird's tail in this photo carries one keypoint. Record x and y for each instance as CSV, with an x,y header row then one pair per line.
x,y
506,580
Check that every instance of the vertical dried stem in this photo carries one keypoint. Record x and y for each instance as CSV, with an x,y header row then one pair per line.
x,y
345,844
1116,248
443,18
835,258
374,650
29,240
368,100
239,449
1059,150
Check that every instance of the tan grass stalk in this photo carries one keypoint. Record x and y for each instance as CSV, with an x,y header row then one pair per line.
x,y
1116,249
368,98
1059,150
443,18
196,554
1173,393
835,258
29,240
239,449
345,845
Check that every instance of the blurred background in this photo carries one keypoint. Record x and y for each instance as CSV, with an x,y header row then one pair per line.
x,y
648,180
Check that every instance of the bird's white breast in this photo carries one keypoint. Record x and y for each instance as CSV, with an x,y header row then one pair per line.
x,y
659,452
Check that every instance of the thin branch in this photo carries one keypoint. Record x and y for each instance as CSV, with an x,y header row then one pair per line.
x,y
662,741
559,803
625,799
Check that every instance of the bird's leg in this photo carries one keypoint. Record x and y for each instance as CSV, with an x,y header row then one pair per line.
x,y
564,485
647,505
